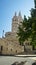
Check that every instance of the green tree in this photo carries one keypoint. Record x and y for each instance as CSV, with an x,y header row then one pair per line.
x,y
27,29
33,26
23,31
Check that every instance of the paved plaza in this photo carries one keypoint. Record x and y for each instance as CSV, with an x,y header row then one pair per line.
x,y
8,60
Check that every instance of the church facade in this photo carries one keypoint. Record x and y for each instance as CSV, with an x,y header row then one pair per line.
x,y
10,44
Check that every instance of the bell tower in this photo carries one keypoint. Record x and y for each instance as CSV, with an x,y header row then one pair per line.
x,y
14,23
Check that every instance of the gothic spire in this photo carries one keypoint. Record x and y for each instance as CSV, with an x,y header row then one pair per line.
x,y
19,13
15,13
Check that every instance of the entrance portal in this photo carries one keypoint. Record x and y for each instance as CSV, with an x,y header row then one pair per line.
x,y
1,48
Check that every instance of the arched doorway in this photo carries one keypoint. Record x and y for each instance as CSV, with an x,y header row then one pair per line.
x,y
1,48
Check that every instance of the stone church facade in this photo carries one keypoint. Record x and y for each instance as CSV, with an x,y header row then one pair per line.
x,y
10,44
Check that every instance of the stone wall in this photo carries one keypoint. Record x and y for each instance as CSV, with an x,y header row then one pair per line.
x,y
9,47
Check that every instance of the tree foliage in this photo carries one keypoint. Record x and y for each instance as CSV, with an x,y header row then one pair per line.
x,y
27,29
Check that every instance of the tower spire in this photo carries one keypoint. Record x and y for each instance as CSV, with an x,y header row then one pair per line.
x,y
19,13
15,13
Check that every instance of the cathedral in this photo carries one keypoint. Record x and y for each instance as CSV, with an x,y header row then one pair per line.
x,y
9,44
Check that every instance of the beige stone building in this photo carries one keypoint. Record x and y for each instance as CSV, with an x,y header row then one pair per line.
x,y
9,44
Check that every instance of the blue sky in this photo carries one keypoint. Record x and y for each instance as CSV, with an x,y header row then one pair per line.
x,y
7,10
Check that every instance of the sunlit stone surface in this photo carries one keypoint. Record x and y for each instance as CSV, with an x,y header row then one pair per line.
x,y
8,60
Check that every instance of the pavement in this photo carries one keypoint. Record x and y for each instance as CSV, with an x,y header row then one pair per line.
x,y
26,55
9,60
